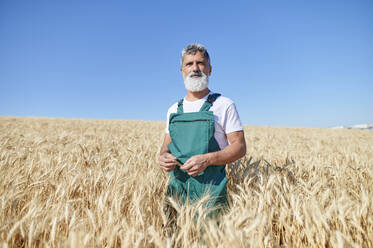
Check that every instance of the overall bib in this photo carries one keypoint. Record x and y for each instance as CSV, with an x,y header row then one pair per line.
x,y
193,134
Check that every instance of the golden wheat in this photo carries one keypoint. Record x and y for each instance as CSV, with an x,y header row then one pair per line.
x,y
96,183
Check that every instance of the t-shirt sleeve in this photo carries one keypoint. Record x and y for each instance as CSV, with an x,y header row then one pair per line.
x,y
167,120
172,109
232,122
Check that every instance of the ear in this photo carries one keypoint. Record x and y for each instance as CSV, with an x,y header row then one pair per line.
x,y
210,69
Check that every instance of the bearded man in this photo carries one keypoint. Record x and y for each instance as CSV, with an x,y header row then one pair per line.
x,y
203,134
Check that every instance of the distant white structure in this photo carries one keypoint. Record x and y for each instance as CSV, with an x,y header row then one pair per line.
x,y
358,126
362,126
339,127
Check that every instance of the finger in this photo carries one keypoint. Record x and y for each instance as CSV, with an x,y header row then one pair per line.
x,y
189,163
168,168
170,156
191,169
174,161
171,165
186,166
168,165
167,160
167,156
193,172
165,167
178,163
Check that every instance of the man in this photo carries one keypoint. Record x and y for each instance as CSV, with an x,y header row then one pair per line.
x,y
203,134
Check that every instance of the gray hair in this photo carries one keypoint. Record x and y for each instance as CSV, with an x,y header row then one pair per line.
x,y
193,49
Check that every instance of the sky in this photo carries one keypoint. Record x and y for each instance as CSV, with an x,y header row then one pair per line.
x,y
284,63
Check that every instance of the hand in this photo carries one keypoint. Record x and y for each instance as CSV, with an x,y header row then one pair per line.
x,y
195,165
168,162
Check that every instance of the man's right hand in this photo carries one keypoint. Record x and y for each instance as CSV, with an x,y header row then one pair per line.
x,y
167,161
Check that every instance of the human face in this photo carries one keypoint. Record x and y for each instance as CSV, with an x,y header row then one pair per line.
x,y
196,63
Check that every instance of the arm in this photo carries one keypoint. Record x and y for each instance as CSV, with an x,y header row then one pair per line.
x,y
166,142
235,150
167,161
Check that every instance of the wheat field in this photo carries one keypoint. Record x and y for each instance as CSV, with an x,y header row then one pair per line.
x,y
96,183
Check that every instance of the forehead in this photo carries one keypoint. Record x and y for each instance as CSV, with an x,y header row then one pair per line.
x,y
196,56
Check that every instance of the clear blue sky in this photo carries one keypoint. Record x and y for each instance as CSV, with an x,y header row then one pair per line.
x,y
284,63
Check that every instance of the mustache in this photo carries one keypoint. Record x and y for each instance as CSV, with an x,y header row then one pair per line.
x,y
199,74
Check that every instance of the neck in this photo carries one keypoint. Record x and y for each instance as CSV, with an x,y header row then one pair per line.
x,y
193,96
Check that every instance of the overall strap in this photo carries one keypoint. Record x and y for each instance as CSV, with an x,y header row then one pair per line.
x,y
210,100
180,109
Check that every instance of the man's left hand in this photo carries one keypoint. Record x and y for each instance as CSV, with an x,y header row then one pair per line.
x,y
195,165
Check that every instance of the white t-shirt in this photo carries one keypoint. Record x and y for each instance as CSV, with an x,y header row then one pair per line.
x,y
226,116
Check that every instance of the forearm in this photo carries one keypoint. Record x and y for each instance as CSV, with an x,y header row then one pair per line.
x,y
164,148
167,161
228,155
235,150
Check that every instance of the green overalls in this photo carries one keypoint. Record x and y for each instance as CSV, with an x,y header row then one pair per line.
x,y
192,134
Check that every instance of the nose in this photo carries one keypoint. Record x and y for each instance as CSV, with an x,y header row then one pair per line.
x,y
195,67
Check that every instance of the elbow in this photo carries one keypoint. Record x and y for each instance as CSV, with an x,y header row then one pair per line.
x,y
243,150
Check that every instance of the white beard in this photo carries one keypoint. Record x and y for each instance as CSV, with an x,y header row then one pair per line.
x,y
196,84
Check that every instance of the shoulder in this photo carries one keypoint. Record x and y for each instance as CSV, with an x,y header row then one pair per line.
x,y
224,106
172,109
227,114
222,102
